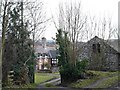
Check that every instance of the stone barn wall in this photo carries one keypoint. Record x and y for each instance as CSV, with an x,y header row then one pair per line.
x,y
99,54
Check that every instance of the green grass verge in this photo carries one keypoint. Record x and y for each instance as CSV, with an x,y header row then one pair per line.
x,y
42,78
57,73
108,83
102,74
39,78
85,82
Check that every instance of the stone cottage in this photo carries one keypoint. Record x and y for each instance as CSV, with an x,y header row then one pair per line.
x,y
100,54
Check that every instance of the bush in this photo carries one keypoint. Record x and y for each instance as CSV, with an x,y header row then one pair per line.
x,y
91,74
69,73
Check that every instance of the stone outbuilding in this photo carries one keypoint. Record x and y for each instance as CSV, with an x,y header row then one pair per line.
x,y
100,55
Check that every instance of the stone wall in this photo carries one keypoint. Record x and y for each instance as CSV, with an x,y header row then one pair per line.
x,y
99,54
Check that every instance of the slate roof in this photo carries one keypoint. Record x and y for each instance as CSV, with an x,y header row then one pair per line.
x,y
114,44
48,43
109,43
40,49
53,54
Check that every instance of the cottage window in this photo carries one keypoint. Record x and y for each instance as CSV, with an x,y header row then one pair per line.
x,y
94,48
98,47
39,54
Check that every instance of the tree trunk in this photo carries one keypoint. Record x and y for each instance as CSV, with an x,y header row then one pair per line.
x,y
4,27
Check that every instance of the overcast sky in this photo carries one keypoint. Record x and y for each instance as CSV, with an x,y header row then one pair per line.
x,y
97,8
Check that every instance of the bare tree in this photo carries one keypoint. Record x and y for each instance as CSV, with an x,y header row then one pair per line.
x,y
104,29
36,19
101,27
0,53
4,10
71,20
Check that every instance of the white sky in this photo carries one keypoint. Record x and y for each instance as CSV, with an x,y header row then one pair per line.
x,y
97,8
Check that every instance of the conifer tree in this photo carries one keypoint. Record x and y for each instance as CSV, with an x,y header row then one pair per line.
x,y
18,50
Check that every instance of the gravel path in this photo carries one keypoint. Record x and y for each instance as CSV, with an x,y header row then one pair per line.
x,y
96,83
93,85
54,82
57,81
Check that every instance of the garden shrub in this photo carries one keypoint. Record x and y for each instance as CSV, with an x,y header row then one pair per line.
x,y
69,73
70,70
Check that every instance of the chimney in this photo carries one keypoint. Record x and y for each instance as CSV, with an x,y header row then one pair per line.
x,y
44,42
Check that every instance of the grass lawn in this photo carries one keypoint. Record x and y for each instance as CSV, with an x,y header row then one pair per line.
x,y
99,75
42,77
57,73
108,83
39,78
83,83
